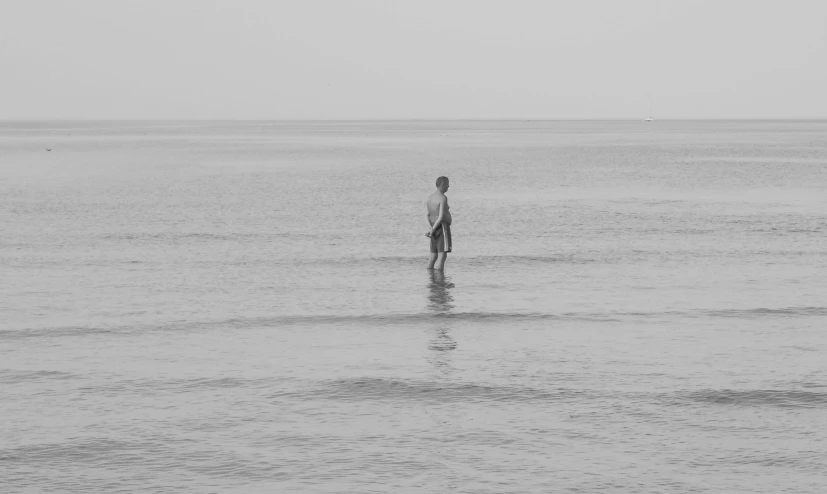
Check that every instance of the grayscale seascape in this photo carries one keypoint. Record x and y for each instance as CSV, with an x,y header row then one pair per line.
x,y
244,307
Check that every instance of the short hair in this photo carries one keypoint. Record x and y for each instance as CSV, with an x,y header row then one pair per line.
x,y
441,180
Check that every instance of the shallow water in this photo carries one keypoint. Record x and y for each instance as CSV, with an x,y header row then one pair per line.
x,y
244,307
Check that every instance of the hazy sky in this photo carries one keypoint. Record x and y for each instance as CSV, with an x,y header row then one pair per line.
x,y
308,59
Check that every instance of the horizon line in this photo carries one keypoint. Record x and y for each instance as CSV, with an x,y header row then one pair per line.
x,y
706,119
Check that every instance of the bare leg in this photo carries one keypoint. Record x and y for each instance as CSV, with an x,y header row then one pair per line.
x,y
432,260
440,263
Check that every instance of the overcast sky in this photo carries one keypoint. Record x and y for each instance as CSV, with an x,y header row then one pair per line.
x,y
338,59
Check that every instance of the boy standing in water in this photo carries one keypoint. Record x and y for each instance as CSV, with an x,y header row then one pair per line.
x,y
439,219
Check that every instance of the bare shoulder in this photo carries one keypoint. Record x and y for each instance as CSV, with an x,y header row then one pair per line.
x,y
435,198
431,203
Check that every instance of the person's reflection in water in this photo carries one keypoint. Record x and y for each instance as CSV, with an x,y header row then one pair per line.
x,y
440,296
441,302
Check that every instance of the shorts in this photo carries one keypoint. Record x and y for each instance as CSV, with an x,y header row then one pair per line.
x,y
441,239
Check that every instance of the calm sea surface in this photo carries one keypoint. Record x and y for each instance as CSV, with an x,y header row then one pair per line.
x,y
245,307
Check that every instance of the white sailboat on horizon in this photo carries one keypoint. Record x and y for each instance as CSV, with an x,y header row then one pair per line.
x,y
649,112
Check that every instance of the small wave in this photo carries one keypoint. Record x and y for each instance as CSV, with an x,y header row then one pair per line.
x,y
806,461
460,260
759,397
734,313
411,319
11,334
302,320
165,237
360,389
151,386
763,311
81,451
14,377
801,348
560,259
415,318
807,384
155,453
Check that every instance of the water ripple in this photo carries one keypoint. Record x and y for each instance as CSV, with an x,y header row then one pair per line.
x,y
356,389
758,397
417,318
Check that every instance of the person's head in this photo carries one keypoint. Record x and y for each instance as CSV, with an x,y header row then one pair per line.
x,y
442,184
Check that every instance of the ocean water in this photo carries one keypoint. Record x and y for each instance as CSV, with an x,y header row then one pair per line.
x,y
245,307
